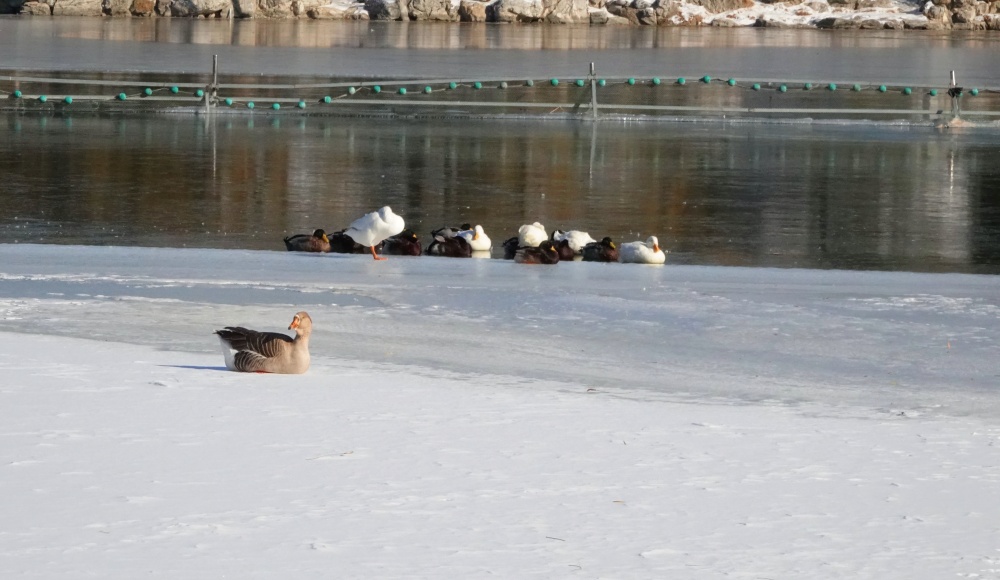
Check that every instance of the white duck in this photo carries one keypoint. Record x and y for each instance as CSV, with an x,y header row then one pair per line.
x,y
530,235
250,351
370,229
477,238
577,239
647,252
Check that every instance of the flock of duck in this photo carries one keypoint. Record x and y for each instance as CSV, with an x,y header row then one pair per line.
x,y
252,351
384,232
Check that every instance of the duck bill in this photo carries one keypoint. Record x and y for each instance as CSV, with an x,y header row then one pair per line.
x,y
656,248
326,239
295,323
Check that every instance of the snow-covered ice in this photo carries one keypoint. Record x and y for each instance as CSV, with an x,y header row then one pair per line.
x,y
473,418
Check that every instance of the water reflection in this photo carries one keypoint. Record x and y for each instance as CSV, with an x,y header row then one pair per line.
x,y
812,196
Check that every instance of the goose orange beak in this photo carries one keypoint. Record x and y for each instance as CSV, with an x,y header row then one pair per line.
x,y
295,323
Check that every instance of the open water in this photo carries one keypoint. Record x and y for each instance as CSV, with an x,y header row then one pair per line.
x,y
854,195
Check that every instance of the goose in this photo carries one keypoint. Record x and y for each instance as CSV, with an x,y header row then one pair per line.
x,y
477,239
405,243
250,351
577,239
530,235
453,247
602,251
372,228
647,252
451,231
545,253
315,242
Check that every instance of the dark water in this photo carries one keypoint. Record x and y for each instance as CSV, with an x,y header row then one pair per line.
x,y
858,196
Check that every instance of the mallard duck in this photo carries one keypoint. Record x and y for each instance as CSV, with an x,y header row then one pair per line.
x,y
565,251
545,253
250,351
453,247
602,251
404,243
341,243
509,248
451,231
577,239
370,229
647,252
315,242
530,235
477,238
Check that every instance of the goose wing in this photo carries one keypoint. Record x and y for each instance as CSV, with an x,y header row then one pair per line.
x,y
265,344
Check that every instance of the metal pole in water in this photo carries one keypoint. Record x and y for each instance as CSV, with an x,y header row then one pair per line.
x,y
955,92
593,92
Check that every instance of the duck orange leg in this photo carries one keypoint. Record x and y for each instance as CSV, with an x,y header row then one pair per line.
x,y
376,256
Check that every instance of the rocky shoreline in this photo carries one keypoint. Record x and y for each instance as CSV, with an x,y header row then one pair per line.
x,y
837,14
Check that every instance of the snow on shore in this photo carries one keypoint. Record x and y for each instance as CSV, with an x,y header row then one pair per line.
x,y
468,418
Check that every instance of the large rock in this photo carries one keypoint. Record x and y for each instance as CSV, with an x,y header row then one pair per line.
x,y
11,6
244,8
198,7
439,10
384,10
335,12
36,9
116,7
274,8
77,8
143,7
516,11
567,11
992,21
472,11
719,6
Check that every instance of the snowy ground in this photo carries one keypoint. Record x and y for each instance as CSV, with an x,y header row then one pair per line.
x,y
473,418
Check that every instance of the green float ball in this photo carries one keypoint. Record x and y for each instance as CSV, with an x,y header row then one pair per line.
x,y
529,83
907,91
756,86
579,82
351,90
933,92
301,105
706,79
555,82
402,90
174,90
376,89
655,81
807,87
503,84
42,98
229,102
832,86
631,81
428,90
856,88
974,92
882,89
68,100
477,85
782,88
453,85
199,93
276,106
602,82
680,81
17,94
328,100
122,96
147,91
731,82
250,105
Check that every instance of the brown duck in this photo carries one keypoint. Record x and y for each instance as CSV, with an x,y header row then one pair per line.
x,y
250,351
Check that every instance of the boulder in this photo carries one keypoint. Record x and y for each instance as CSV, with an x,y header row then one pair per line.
x,y
197,7
11,6
992,21
439,10
143,7
837,23
116,7
77,8
626,12
337,12
472,11
163,7
566,11
383,10
937,13
244,8
724,23
272,8
871,24
894,25
516,11
36,9
719,6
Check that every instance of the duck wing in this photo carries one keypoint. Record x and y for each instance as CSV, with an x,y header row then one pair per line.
x,y
265,344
